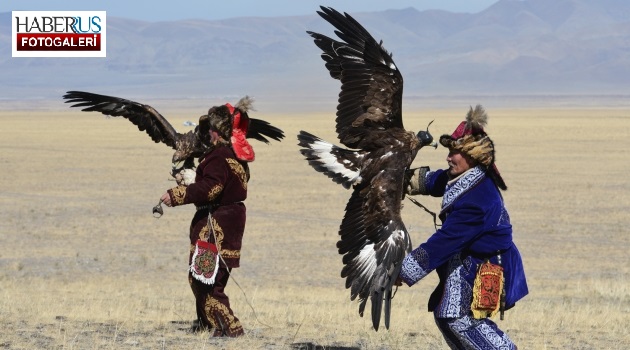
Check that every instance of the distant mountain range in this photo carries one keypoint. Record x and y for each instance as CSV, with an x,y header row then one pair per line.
x,y
514,47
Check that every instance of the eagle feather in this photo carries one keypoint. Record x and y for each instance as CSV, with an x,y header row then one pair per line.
x,y
477,118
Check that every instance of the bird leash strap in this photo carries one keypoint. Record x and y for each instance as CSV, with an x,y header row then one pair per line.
x,y
427,210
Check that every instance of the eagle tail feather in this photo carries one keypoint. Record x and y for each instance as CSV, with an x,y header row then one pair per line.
x,y
377,305
387,306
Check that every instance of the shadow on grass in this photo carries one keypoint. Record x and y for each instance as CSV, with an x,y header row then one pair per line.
x,y
313,346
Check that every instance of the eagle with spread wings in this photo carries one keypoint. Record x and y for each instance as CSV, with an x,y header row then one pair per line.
x,y
369,123
187,146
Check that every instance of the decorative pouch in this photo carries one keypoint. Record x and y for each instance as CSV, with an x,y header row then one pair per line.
x,y
205,262
487,290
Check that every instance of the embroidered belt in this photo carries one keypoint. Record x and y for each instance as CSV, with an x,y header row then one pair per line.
x,y
214,206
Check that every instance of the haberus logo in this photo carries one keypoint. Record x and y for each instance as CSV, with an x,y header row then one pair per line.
x,y
58,33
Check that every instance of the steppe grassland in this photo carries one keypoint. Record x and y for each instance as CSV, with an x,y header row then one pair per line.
x,y
84,265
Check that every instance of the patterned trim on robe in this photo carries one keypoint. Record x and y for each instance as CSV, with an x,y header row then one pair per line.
x,y
414,266
214,192
179,193
457,295
504,219
212,306
226,253
203,235
469,333
460,186
238,169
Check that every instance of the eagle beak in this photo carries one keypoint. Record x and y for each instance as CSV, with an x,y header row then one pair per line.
x,y
178,165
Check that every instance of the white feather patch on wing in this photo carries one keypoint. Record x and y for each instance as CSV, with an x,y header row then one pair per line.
x,y
366,260
388,154
392,245
323,151
396,236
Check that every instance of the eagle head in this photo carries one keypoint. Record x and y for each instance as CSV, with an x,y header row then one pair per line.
x,y
180,154
425,138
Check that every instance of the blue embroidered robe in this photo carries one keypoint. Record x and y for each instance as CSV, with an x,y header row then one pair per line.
x,y
475,226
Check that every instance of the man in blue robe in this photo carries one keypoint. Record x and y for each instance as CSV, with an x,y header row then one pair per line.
x,y
475,229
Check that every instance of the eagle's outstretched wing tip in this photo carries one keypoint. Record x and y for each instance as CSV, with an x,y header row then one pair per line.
x,y
371,89
145,117
262,130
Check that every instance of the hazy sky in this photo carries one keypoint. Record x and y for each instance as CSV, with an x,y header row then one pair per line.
x,y
161,10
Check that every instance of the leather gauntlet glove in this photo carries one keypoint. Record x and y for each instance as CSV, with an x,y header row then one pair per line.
x,y
414,180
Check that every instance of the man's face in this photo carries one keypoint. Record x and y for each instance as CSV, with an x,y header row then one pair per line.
x,y
458,163
214,137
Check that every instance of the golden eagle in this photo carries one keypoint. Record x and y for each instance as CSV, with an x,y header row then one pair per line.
x,y
374,239
187,146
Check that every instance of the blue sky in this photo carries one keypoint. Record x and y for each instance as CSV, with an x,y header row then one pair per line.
x,y
161,10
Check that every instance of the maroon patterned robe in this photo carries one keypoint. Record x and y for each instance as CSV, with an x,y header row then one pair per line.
x,y
219,189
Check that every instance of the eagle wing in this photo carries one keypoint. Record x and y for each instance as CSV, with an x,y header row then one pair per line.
x,y
371,84
373,237
145,117
261,130
341,165
374,240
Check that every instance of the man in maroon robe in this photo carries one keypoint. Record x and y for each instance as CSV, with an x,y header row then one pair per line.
x,y
218,193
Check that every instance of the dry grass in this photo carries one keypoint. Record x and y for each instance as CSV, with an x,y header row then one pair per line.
x,y
84,265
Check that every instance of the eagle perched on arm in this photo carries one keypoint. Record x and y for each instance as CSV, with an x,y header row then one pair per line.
x,y
374,239
187,146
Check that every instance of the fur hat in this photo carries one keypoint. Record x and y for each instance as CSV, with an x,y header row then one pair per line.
x,y
219,118
231,123
470,138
